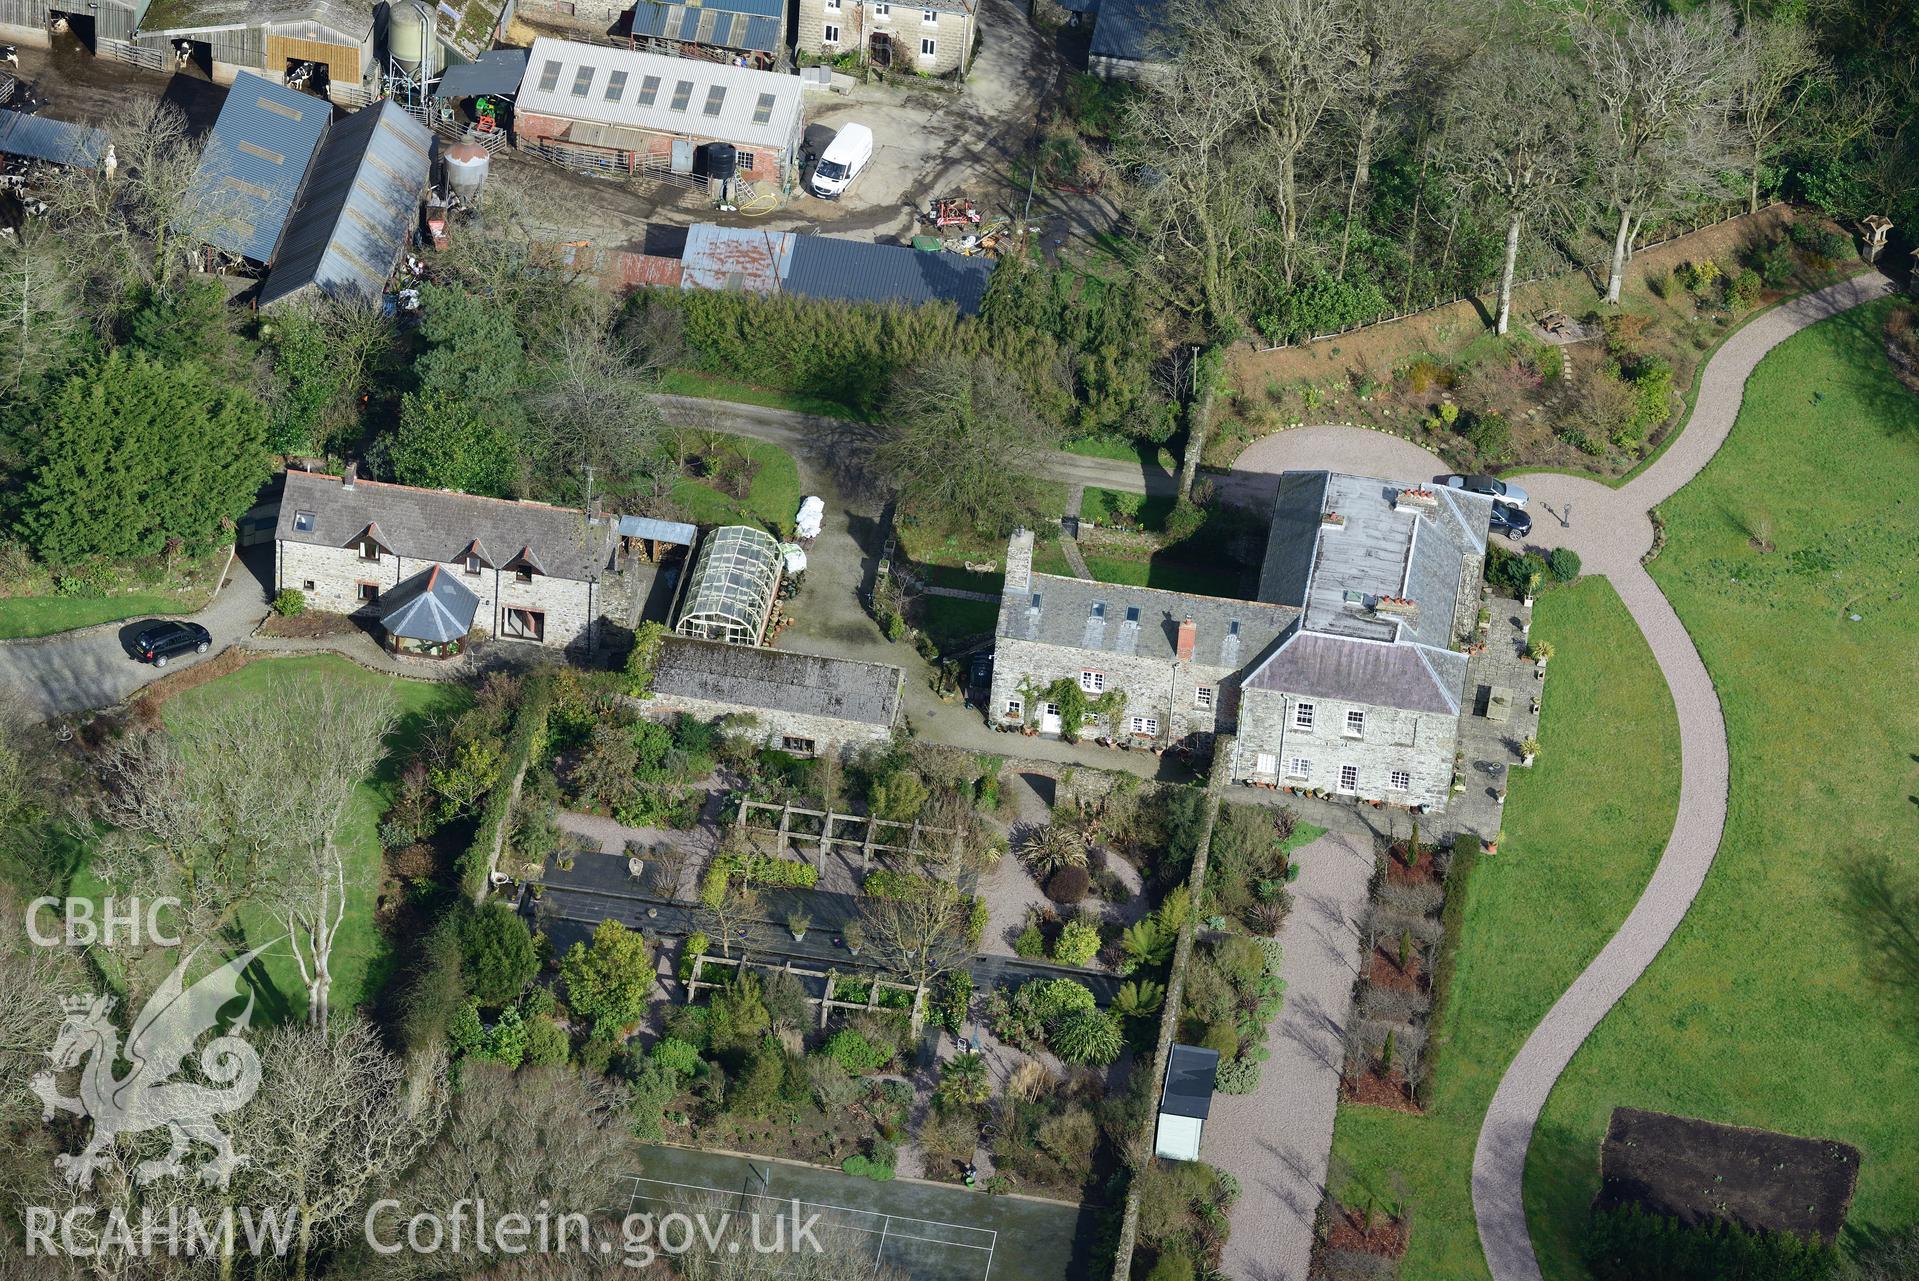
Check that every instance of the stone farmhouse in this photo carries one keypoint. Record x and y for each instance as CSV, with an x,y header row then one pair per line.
x,y
551,576
933,37
799,703
1341,676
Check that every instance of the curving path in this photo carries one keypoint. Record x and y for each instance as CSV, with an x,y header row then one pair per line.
x,y
1611,531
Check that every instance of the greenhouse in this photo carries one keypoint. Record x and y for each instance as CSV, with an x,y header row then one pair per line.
x,y
729,596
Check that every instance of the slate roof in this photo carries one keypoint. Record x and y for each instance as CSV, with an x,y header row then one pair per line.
x,y
738,103
778,680
438,525
497,71
61,143
255,159
357,209
1190,1074
730,24
1078,613
1353,670
1131,30
433,606
857,271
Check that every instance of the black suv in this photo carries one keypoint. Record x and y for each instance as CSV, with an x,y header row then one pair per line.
x,y
160,641
1511,521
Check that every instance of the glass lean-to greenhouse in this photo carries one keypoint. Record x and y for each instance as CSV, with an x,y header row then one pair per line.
x,y
729,595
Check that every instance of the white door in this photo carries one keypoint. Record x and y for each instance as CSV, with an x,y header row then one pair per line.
x,y
1049,718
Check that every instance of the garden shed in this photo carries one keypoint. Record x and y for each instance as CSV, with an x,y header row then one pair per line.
x,y
730,593
1185,1101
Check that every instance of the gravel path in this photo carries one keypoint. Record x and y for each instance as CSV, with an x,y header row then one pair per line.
x,y
1611,531
1277,1139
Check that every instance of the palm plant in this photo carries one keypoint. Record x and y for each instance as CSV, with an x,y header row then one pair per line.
x,y
1048,849
963,1082
1139,998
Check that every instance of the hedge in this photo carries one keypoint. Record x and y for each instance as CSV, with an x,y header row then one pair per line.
x,y
755,869
907,887
523,743
1627,1244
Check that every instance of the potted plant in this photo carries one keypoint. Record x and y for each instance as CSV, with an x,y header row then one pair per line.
x,y
854,935
1529,752
798,923
1540,652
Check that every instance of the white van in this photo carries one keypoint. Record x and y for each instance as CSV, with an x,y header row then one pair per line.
x,y
842,161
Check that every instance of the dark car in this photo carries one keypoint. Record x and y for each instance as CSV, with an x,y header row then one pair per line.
x,y
1510,520
1489,485
160,641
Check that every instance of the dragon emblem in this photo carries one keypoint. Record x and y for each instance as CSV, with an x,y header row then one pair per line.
x,y
147,1097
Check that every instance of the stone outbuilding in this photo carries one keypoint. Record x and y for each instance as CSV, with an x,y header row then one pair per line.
x,y
799,703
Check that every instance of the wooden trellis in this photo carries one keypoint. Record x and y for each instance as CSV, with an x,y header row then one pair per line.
x,y
827,1002
861,831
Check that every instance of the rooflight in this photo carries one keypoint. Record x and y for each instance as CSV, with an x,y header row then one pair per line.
x,y
763,112
682,94
715,99
649,90
303,521
1132,613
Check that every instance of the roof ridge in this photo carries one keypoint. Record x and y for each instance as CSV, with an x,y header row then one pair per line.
x,y
424,489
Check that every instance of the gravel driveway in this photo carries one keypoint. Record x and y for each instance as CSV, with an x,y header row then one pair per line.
x,y
94,667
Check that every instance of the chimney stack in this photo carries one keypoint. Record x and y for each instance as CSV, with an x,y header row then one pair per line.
x,y
349,476
1188,639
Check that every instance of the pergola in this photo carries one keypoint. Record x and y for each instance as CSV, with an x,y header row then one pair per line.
x,y
729,596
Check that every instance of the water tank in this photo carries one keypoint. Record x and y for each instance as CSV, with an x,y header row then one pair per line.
x,y
722,160
466,166
406,38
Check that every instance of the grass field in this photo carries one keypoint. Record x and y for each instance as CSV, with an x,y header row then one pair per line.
x,y
359,957
1760,1012
1584,828
45,615
693,382
771,500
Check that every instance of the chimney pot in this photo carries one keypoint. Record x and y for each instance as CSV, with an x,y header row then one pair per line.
x,y
1188,640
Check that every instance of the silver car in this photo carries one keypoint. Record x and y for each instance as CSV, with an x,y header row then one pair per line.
x,y
1489,485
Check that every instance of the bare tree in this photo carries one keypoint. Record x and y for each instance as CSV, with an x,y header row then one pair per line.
x,y
1395,36
40,308
736,904
964,444
336,1119
33,979
1662,87
1778,67
1516,141
596,409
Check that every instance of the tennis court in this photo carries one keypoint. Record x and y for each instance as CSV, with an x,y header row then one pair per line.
x,y
927,1232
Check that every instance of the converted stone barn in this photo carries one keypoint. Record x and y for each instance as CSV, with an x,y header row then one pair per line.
x,y
799,703
551,576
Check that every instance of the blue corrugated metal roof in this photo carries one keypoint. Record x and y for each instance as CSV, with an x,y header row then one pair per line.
x,y
254,162
854,271
38,138
359,206
1131,30
660,531
498,71
729,24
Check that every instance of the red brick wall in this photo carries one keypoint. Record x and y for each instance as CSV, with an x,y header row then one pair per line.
x,y
534,128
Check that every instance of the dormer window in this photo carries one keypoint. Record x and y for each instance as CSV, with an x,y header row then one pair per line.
x,y
473,565
369,550
522,573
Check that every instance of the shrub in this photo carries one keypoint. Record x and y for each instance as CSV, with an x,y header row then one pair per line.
x,y
1700,275
1068,885
291,602
1053,999
676,1054
855,1053
1627,1243
1563,564
865,1168
1078,943
1173,1265
1425,374
755,869
1241,1076
1031,944
952,998
1775,265
1742,291
1184,521
1490,434
1087,1036
696,946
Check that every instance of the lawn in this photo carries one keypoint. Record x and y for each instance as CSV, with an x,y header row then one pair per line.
x,y
1584,828
1161,572
45,615
360,958
693,382
772,499
949,621
1759,1012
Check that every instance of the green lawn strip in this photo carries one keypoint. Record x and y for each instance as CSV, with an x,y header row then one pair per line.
x,y
694,382
360,958
1111,507
45,615
1168,575
949,621
1758,1012
1584,828
771,502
